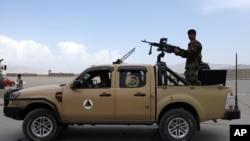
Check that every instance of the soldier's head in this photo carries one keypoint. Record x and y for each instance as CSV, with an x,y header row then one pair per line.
x,y
191,34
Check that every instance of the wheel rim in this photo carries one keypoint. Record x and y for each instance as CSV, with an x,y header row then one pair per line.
x,y
42,126
178,128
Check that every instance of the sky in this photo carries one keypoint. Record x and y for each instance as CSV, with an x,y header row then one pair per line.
x,y
71,35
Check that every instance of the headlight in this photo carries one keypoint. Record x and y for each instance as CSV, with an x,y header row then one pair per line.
x,y
15,94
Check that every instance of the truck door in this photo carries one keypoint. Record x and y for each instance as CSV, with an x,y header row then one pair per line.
x,y
132,94
92,98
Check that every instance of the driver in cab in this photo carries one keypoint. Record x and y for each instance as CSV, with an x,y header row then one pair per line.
x,y
104,80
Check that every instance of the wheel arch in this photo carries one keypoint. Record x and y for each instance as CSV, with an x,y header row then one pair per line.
x,y
37,105
181,105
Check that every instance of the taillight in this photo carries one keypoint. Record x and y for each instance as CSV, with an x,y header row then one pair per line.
x,y
230,101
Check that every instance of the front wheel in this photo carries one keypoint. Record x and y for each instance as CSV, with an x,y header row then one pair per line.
x,y
41,125
178,125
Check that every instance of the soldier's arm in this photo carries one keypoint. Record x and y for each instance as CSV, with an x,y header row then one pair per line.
x,y
194,49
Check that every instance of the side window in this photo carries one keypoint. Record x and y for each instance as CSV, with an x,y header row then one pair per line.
x,y
132,78
96,79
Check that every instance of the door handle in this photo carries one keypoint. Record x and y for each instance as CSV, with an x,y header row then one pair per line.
x,y
105,95
139,94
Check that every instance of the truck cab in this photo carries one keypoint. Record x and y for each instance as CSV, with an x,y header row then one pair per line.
x,y
126,98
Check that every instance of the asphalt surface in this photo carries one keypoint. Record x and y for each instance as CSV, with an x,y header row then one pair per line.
x,y
11,130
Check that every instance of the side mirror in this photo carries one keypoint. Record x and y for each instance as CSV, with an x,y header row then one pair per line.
x,y
75,84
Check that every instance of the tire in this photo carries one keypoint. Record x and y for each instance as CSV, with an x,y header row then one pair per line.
x,y
41,125
178,125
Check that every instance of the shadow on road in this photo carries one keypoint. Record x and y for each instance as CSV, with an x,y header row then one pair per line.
x,y
138,133
130,133
111,133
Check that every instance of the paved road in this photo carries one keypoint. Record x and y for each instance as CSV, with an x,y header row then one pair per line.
x,y
11,130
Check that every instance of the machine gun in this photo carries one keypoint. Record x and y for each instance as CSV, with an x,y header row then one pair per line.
x,y
162,46
163,70
120,61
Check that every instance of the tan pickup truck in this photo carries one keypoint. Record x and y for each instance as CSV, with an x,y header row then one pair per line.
x,y
121,94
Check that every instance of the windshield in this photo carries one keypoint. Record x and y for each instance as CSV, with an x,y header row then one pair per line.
x,y
86,76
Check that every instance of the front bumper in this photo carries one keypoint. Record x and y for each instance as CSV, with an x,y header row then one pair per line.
x,y
230,115
13,112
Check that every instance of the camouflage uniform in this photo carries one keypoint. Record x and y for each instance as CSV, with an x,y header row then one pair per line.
x,y
193,55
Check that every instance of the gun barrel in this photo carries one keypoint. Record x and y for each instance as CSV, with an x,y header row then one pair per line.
x,y
120,61
151,43
145,41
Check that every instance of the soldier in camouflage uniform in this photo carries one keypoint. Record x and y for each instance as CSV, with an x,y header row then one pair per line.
x,y
193,55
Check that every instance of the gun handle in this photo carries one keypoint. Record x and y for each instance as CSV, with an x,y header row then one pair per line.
x,y
150,50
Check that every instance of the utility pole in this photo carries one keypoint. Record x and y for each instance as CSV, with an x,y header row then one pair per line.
x,y
2,67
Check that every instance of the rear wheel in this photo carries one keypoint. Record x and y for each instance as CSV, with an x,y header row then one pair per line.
x,y
41,125
178,125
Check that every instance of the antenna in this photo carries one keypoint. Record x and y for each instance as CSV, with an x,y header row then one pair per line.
x,y
2,67
236,107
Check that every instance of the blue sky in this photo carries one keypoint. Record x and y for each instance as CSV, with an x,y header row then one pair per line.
x,y
70,35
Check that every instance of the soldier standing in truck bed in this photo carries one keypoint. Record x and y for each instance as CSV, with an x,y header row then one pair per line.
x,y
193,55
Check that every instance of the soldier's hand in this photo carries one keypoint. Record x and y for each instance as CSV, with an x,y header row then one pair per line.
x,y
176,50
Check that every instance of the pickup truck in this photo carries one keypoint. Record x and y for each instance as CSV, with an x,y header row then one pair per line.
x,y
126,94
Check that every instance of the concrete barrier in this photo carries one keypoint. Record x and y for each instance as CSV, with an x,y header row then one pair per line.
x,y
2,91
61,74
243,74
23,74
